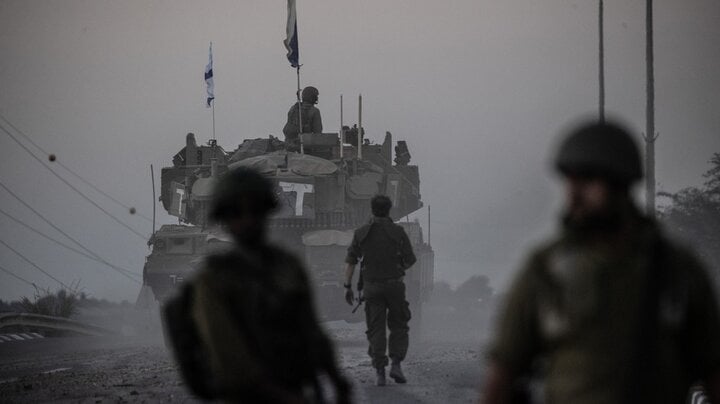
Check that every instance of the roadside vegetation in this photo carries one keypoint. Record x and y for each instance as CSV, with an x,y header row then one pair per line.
x,y
60,303
473,294
693,214
459,313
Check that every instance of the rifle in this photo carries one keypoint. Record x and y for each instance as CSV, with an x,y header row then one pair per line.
x,y
360,286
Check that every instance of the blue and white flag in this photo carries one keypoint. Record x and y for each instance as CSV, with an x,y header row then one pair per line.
x,y
291,41
209,79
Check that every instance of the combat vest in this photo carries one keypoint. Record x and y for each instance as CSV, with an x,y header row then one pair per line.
x,y
634,318
381,245
309,116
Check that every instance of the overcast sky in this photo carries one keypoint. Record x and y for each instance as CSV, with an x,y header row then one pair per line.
x,y
480,89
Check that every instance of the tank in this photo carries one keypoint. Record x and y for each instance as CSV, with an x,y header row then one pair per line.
x,y
324,193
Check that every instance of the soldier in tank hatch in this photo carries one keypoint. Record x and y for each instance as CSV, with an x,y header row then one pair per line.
x,y
310,115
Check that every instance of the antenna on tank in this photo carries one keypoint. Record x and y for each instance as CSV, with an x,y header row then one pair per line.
x,y
360,130
342,128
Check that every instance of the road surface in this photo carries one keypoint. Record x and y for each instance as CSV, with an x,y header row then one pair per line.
x,y
139,369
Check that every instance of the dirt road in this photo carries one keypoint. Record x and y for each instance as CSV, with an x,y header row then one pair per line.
x,y
139,369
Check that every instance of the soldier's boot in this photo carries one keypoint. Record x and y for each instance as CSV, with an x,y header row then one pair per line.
x,y
380,381
396,372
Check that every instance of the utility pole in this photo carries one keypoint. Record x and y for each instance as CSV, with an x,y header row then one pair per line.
x,y
650,136
601,64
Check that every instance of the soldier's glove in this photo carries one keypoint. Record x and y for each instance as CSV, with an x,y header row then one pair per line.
x,y
349,295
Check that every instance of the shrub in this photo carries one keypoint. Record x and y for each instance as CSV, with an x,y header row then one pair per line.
x,y
63,303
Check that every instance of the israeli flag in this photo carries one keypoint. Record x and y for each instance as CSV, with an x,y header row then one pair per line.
x,y
209,79
291,41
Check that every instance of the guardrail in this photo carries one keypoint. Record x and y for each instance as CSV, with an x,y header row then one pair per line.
x,y
50,322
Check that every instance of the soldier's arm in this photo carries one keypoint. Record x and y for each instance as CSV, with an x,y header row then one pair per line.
x,y
349,271
703,326
354,253
517,337
497,388
317,122
321,346
328,364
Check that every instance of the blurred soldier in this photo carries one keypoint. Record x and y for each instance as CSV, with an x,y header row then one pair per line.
x,y
311,120
253,307
610,311
385,252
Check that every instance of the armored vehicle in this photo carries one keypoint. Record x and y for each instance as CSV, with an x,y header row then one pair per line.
x,y
324,193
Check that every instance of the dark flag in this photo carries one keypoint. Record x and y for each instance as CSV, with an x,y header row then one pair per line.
x,y
291,41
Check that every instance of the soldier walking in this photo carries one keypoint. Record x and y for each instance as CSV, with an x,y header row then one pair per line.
x,y
258,334
385,253
611,310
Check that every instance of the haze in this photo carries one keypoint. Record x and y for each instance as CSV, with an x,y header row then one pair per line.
x,y
479,89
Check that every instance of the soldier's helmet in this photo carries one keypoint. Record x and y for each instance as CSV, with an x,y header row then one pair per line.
x,y
242,190
310,95
604,150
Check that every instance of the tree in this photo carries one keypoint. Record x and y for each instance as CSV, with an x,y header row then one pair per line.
x,y
694,215
474,292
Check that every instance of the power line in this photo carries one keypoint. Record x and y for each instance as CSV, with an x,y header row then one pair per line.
x,y
17,277
46,220
123,271
120,222
75,174
34,265
94,257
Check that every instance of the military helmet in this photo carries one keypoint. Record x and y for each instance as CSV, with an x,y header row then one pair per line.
x,y
310,95
605,150
242,189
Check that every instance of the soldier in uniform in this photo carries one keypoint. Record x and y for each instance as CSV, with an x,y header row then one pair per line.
x,y
610,311
385,253
311,120
253,307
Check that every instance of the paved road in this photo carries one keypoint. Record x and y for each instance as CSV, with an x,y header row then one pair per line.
x,y
135,369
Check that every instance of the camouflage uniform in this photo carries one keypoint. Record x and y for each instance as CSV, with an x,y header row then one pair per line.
x,y
386,253
311,122
256,319
580,307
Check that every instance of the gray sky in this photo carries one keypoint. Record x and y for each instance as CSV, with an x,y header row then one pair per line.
x,y
479,89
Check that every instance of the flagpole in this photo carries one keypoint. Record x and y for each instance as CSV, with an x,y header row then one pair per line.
x,y
299,104
213,101
291,44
